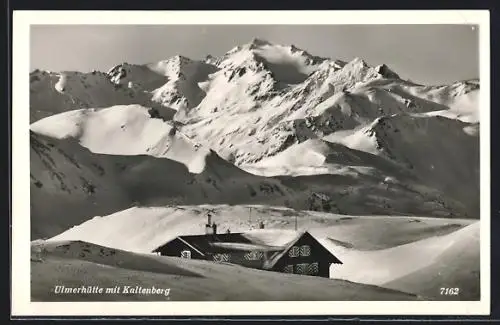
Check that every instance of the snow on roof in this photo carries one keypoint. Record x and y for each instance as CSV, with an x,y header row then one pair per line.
x,y
271,237
266,240
247,247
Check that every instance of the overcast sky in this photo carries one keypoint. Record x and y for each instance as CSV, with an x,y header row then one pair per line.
x,y
431,54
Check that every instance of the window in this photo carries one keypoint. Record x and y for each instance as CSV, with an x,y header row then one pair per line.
x,y
305,250
221,258
294,252
301,268
288,269
313,268
308,269
186,254
253,256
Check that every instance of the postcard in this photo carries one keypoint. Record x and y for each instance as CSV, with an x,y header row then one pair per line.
x,y
250,163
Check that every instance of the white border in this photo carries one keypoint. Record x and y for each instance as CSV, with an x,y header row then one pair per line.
x,y
21,305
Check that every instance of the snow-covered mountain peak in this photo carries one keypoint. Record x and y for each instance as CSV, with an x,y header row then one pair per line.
x,y
358,66
116,68
212,60
333,76
258,42
386,72
39,76
182,91
174,67
240,59
117,73
136,76
38,72
287,63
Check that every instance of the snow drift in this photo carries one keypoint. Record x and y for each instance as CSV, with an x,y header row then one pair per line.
x,y
421,267
124,130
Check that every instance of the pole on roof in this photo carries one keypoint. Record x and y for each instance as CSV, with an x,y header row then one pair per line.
x,y
295,222
249,214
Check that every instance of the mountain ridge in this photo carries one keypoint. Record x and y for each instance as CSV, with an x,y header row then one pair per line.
x,y
260,120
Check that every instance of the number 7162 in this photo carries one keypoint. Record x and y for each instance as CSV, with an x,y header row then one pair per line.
x,y
449,291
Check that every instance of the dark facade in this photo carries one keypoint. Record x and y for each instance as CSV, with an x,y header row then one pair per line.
x,y
177,246
303,255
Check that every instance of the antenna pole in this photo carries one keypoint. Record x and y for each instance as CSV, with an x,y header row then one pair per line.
x,y
295,222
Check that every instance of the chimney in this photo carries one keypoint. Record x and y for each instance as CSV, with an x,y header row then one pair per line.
x,y
214,228
208,226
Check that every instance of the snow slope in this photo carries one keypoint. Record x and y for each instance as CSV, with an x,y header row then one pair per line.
x,y
70,184
421,267
462,98
402,139
142,229
316,157
79,263
67,185
124,130
399,252
89,184
456,266
421,145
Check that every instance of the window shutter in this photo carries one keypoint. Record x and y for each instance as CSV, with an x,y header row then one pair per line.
x,y
313,268
221,258
305,250
253,256
301,268
294,251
